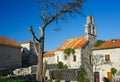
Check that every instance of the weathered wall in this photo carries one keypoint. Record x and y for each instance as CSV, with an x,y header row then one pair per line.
x,y
29,52
10,57
59,55
68,75
86,60
106,67
50,59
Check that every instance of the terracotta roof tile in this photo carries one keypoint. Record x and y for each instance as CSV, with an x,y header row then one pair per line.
x,y
73,43
50,53
9,42
115,43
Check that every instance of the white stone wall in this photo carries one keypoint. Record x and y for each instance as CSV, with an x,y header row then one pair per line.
x,y
114,59
69,61
26,48
50,59
11,57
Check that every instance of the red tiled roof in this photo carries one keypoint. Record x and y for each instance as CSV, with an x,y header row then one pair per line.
x,y
50,53
115,43
73,43
9,42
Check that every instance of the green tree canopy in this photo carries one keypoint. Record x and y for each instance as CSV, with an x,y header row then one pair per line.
x,y
99,42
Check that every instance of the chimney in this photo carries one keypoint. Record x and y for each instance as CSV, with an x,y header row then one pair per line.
x,y
113,40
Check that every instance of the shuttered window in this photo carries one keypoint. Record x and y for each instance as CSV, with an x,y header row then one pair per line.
x,y
107,57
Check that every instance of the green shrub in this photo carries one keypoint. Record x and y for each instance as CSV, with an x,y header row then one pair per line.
x,y
65,66
81,77
60,65
69,51
57,80
99,42
113,70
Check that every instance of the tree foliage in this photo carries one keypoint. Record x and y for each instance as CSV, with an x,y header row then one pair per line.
x,y
60,65
69,51
113,70
99,42
81,77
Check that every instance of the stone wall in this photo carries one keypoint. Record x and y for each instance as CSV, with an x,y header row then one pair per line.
x,y
86,58
65,74
11,57
52,66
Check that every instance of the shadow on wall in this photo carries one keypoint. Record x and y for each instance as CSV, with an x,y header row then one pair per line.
x,y
28,58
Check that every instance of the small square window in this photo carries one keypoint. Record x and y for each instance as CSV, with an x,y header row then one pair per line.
x,y
107,57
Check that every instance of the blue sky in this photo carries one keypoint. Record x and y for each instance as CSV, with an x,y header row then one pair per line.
x,y
17,15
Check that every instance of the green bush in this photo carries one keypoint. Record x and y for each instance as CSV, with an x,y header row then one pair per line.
x,y
113,70
81,77
60,65
57,80
69,51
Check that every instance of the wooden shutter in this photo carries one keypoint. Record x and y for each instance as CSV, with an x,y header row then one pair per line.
x,y
109,75
107,57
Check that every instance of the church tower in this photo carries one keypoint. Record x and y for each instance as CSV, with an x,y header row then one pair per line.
x,y
90,30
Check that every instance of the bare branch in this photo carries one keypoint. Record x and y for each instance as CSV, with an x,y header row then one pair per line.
x,y
34,45
67,8
33,34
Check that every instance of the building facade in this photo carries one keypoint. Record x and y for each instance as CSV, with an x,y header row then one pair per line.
x,y
28,53
105,57
82,47
10,54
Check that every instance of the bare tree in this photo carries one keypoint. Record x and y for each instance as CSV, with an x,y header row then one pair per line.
x,y
52,10
97,60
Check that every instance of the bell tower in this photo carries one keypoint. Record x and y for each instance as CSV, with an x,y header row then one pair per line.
x,y
90,30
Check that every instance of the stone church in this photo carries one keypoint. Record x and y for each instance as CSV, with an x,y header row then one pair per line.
x,y
83,50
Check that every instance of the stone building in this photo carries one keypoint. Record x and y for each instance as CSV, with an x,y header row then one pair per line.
x,y
105,57
10,54
28,53
83,50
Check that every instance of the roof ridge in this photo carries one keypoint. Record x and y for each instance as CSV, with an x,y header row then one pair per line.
x,y
9,42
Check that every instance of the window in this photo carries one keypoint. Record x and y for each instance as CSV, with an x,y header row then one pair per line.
x,y
107,57
57,58
65,57
74,58
90,58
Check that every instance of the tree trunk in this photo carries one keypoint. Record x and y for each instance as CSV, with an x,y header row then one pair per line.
x,y
39,75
